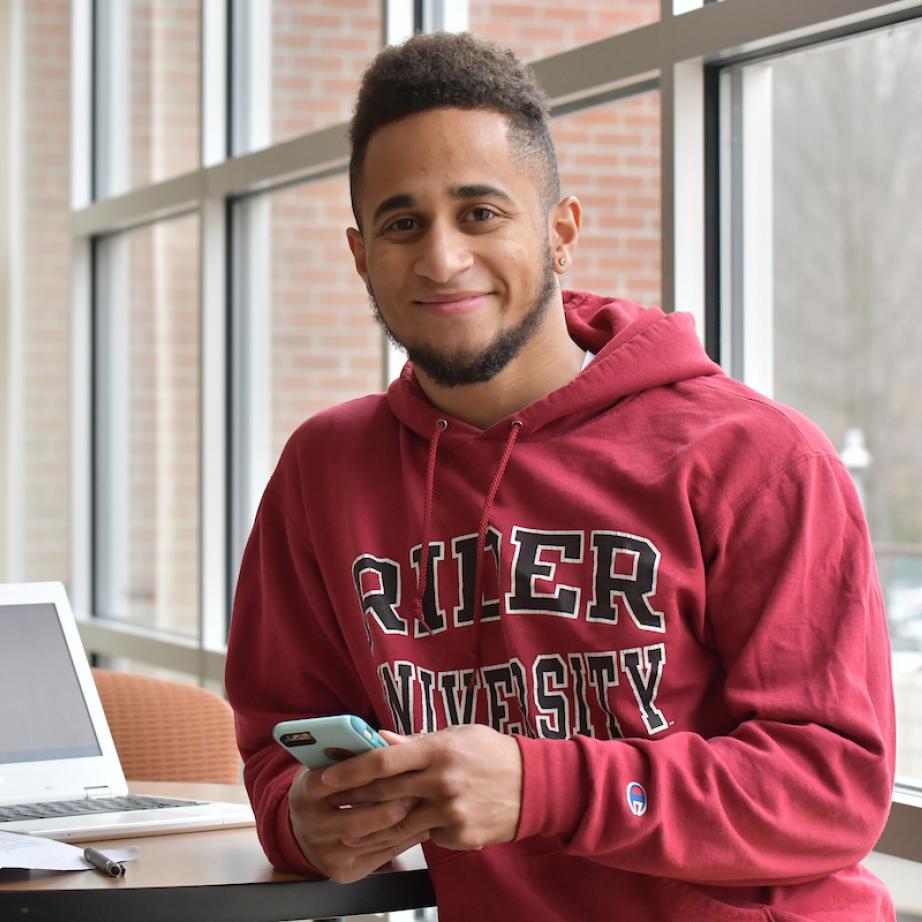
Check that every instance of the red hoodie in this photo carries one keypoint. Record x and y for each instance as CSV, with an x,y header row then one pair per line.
x,y
680,620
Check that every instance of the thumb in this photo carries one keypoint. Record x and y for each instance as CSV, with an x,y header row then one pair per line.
x,y
396,739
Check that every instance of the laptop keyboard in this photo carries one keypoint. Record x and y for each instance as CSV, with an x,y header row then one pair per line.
x,y
84,805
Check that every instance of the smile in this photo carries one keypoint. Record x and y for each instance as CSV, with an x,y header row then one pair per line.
x,y
449,305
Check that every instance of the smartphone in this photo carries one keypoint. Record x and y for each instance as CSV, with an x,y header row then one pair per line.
x,y
321,741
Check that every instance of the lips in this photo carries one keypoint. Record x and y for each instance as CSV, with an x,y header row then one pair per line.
x,y
462,302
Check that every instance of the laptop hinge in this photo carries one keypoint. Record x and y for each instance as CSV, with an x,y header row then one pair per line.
x,y
96,793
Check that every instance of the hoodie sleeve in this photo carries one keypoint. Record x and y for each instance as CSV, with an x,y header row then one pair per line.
x,y
801,786
286,657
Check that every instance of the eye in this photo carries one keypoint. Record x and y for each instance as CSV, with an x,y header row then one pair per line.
x,y
481,214
401,225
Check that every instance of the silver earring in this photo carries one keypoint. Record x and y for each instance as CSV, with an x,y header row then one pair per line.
x,y
562,260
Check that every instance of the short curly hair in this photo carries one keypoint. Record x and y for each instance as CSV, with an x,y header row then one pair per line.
x,y
441,70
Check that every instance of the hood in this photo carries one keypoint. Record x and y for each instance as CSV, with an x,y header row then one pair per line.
x,y
636,348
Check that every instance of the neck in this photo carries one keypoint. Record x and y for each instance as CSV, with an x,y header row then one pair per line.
x,y
549,360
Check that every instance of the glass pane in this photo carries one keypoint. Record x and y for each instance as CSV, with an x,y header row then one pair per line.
x,y
43,442
148,91
843,123
305,326
541,28
147,340
298,64
610,160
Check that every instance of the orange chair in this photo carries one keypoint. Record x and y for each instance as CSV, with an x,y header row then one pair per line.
x,y
169,731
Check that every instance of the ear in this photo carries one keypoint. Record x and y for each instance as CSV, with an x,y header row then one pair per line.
x,y
357,245
563,231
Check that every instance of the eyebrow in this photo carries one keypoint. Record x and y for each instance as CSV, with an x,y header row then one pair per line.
x,y
479,190
392,204
475,190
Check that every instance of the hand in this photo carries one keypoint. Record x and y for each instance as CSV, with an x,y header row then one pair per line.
x,y
465,784
320,827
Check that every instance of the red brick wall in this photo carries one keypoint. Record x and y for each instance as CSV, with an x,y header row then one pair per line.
x,y
609,155
325,346
319,50
160,449
163,120
610,160
540,28
45,441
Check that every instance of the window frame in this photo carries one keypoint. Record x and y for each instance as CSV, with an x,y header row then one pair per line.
x,y
681,55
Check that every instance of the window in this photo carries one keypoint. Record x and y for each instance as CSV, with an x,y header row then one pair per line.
x,y
307,338
147,96
609,159
821,311
147,402
819,278
542,28
208,199
299,63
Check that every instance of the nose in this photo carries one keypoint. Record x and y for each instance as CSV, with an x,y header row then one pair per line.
x,y
444,253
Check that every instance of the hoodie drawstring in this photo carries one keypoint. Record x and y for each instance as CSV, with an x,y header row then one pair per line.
x,y
440,426
422,581
514,429
423,578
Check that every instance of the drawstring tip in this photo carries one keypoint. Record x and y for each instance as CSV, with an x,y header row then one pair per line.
x,y
418,616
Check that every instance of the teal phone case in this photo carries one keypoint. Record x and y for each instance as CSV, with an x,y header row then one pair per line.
x,y
321,741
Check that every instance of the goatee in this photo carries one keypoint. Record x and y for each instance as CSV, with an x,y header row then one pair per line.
x,y
466,366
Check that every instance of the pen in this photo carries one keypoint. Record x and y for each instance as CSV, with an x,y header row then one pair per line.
x,y
102,863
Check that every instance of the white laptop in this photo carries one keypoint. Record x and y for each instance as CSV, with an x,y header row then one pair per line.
x,y
59,773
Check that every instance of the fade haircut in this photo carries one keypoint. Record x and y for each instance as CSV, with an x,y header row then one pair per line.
x,y
443,70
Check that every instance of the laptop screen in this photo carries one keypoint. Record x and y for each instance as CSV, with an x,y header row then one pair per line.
x,y
42,711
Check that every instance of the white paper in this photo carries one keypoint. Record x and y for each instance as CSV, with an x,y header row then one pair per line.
x,y
34,853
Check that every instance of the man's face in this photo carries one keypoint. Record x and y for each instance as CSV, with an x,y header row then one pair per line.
x,y
454,248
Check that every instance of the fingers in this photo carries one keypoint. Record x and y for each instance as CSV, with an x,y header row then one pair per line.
x,y
460,788
403,786
468,783
397,739
308,787
334,824
364,821
319,820
321,828
376,832
408,756
417,823
346,865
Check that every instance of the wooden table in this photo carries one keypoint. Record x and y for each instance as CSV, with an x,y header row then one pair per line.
x,y
219,875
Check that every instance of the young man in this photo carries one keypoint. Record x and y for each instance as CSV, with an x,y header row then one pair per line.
x,y
620,611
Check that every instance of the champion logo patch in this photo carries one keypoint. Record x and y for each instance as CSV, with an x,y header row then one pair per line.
x,y
636,798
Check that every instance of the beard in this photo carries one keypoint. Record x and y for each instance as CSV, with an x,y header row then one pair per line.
x,y
468,366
